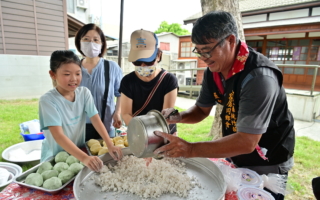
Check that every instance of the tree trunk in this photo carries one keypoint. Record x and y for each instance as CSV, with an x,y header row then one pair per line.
x,y
231,6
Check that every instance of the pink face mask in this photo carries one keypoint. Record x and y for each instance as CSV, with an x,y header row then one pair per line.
x,y
90,49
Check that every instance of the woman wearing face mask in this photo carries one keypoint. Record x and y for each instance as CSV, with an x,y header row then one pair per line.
x,y
91,43
136,87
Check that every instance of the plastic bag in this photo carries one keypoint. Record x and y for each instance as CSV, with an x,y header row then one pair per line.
x,y
275,182
34,125
232,176
4,176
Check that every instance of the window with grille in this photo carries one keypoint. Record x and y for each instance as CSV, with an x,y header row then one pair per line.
x,y
291,51
186,49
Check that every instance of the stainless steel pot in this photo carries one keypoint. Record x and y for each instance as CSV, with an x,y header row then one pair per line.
x,y
141,138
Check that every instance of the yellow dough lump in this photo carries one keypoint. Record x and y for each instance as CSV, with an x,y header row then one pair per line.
x,y
116,139
126,144
95,148
118,142
103,150
92,141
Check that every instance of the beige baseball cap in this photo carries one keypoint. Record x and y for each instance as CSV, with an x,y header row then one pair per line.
x,y
143,46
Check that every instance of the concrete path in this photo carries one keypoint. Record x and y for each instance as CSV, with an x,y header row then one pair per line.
x,y
302,128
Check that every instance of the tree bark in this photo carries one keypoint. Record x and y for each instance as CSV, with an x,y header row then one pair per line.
x,y
231,6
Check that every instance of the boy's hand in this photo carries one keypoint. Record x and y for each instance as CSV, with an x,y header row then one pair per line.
x,y
93,162
115,152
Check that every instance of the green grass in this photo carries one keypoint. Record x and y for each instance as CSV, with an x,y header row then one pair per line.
x,y
306,167
12,113
306,156
195,132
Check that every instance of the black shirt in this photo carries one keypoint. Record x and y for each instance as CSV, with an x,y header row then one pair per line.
x,y
139,90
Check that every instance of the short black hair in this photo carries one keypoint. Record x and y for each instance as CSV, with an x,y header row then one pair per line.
x,y
83,31
214,25
63,57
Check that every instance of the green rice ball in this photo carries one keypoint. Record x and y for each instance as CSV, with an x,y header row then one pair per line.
x,y
34,179
75,168
48,174
61,157
71,159
44,167
52,183
65,176
60,166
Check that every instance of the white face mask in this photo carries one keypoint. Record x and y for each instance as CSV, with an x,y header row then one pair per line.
x,y
145,71
91,49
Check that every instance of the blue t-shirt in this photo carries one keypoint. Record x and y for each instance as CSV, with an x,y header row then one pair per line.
x,y
95,82
55,110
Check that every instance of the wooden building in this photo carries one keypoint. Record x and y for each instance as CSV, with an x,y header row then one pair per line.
x,y
287,32
30,30
35,27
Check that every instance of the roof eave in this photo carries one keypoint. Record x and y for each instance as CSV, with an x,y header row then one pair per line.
x,y
278,9
110,38
73,25
267,10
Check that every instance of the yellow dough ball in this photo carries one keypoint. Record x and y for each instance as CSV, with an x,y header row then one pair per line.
x,y
104,143
103,150
94,149
92,142
115,139
118,142
121,145
126,144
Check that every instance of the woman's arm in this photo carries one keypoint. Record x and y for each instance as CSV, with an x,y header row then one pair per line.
x,y
92,162
170,99
100,128
126,108
117,122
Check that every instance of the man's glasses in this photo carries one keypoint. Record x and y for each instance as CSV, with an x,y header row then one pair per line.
x,y
208,54
139,63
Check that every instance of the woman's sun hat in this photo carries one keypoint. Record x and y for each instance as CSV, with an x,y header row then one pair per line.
x,y
143,46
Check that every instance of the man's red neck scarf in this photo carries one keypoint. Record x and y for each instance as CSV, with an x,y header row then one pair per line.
x,y
237,66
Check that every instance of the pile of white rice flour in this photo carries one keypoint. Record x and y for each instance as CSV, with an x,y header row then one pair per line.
x,y
131,175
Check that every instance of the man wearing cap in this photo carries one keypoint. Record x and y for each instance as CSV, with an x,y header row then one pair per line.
x,y
257,125
148,87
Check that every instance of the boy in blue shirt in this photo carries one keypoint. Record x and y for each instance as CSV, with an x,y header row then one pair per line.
x,y
63,110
